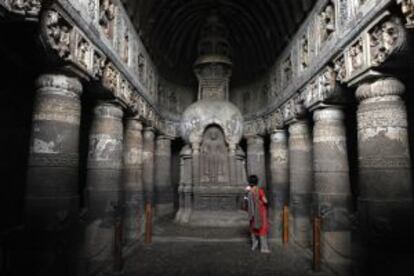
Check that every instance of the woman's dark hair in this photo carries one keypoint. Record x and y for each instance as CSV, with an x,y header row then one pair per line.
x,y
253,180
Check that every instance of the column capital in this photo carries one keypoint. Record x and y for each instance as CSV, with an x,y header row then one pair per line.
x,y
279,135
134,123
329,113
108,109
381,87
59,83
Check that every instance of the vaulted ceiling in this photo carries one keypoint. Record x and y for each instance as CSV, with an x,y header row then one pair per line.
x,y
259,30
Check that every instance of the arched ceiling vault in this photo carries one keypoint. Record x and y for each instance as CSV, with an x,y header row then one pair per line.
x,y
259,29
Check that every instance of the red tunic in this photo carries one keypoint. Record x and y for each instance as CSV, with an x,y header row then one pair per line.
x,y
263,230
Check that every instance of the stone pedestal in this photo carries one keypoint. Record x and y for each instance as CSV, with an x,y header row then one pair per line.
x,y
332,198
301,181
104,176
148,164
279,170
385,183
256,158
164,203
52,197
132,181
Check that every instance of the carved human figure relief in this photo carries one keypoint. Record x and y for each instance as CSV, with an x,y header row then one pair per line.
x,y
287,72
356,55
106,17
304,52
59,33
327,22
407,8
383,39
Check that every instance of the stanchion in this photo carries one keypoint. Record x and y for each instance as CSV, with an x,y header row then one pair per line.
x,y
317,244
148,223
285,231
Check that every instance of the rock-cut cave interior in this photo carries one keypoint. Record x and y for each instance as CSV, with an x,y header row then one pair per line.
x,y
206,137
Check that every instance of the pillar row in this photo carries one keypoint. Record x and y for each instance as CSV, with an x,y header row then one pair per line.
x,y
132,180
332,198
256,158
301,180
104,176
279,170
163,185
385,183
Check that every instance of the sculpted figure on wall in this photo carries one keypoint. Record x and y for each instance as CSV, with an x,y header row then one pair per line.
x,y
327,22
106,17
382,40
407,8
356,55
59,32
26,6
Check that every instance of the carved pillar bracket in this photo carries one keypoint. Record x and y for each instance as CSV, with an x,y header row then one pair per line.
x,y
132,180
385,183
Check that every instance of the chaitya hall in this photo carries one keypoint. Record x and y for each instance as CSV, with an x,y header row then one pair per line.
x,y
131,129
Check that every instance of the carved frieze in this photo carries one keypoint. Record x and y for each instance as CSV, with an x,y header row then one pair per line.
x,y
275,121
26,7
340,68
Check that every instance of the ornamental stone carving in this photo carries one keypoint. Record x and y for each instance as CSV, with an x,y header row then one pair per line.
x,y
26,7
407,8
327,22
275,121
383,39
107,11
58,32
356,54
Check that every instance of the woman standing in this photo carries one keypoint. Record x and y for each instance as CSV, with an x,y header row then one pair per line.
x,y
257,208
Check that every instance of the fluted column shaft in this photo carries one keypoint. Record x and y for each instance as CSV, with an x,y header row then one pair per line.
x,y
132,180
256,158
332,198
52,191
104,176
301,180
385,184
279,170
148,164
163,186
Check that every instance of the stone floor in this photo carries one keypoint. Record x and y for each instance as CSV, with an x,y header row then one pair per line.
x,y
185,251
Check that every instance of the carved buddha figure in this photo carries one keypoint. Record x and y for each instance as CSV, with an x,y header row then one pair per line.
x,y
213,157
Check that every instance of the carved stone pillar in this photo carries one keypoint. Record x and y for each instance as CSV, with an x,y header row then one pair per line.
x,y
185,187
385,184
148,164
163,187
132,180
104,177
52,198
301,180
279,170
332,196
256,158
